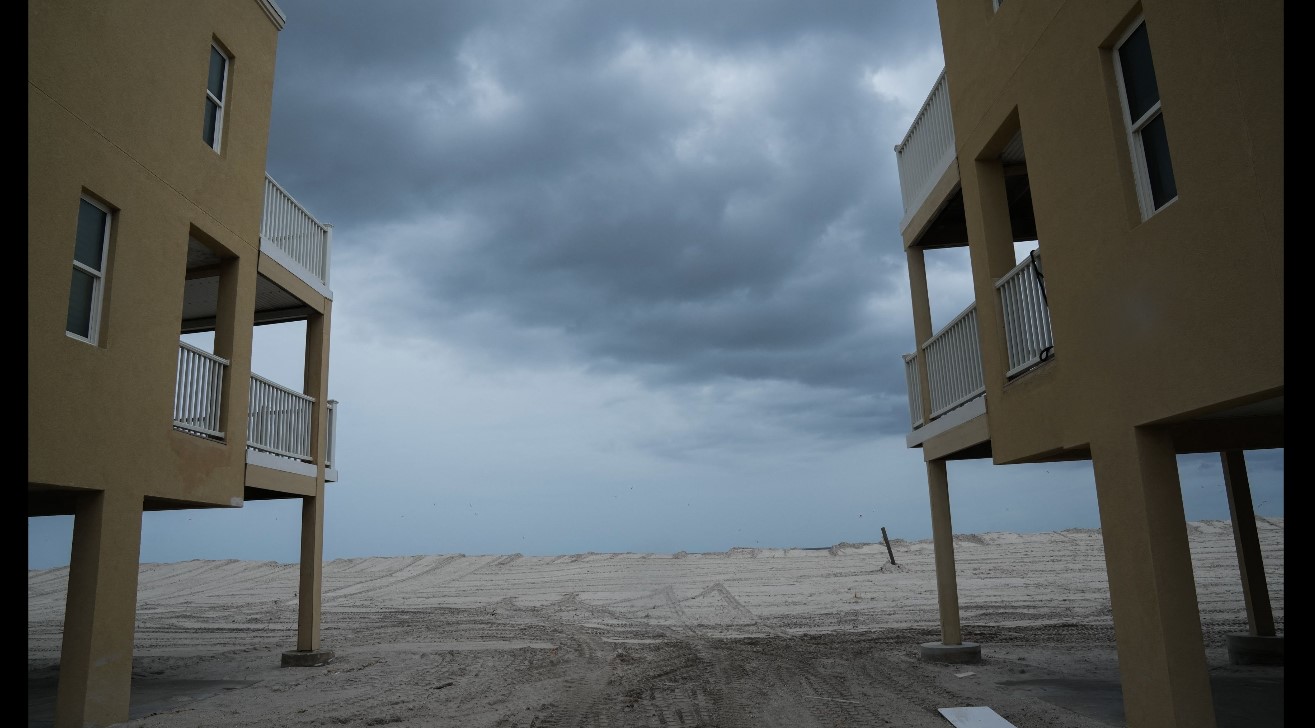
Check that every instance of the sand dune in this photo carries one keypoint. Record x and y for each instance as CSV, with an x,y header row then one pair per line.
x,y
747,637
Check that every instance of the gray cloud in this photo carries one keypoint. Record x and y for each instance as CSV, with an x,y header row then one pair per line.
x,y
698,193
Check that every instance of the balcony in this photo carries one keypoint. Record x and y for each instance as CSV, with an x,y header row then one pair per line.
x,y
293,237
953,356
278,418
927,150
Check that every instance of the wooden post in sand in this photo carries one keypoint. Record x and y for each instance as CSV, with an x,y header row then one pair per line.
x,y
886,540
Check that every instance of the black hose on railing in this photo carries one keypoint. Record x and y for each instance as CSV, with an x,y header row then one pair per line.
x,y
1040,278
1046,352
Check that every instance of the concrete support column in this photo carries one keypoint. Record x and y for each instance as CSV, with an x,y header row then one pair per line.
x,y
312,569
986,212
234,321
308,652
942,533
1260,646
951,648
95,667
1152,591
316,381
1259,616
990,232
921,321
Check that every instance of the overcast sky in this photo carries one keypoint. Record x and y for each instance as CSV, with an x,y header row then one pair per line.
x,y
617,276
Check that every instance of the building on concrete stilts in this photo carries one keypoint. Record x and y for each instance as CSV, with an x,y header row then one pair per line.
x,y
151,218
1136,150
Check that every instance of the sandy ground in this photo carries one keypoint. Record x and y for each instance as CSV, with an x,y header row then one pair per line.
x,y
745,638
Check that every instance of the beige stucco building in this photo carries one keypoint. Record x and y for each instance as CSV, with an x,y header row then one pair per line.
x,y
150,216
1140,145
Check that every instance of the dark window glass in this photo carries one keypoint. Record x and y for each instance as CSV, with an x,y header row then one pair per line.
x,y
91,235
79,304
1155,143
1138,73
216,81
211,116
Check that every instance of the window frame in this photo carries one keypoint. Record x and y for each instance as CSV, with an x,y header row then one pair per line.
x,y
218,102
97,276
1134,127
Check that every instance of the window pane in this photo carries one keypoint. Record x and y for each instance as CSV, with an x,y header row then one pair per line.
x,y
1155,143
79,303
211,116
1138,73
216,81
91,235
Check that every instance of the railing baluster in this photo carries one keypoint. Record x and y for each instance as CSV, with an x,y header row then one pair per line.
x,y
184,391
188,408
976,362
957,358
194,410
973,363
1006,315
1019,316
915,389
938,394
204,379
1015,342
968,352
212,402
1026,306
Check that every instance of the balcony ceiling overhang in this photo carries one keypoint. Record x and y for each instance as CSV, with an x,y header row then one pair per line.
x,y
201,294
948,226
1252,424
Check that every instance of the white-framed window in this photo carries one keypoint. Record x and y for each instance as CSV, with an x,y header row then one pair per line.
x,y
1149,143
216,85
90,251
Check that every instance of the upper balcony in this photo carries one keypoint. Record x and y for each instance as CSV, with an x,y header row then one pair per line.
x,y
927,151
953,355
294,238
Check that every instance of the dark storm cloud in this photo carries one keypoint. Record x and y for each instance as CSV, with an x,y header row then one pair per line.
x,y
694,192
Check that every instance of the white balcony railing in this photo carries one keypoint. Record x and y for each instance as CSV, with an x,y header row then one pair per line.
x,y
1026,316
927,150
915,389
332,446
279,419
954,363
197,391
295,232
